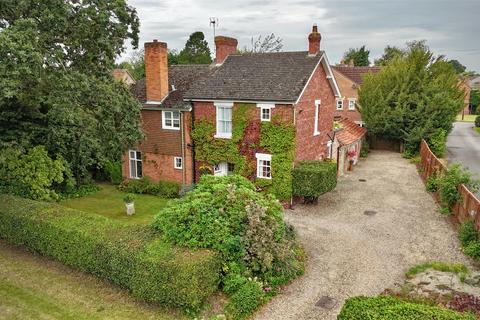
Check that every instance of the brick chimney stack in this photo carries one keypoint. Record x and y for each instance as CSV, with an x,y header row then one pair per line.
x,y
223,47
156,70
314,41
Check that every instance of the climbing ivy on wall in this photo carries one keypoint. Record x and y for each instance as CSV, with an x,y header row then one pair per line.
x,y
248,137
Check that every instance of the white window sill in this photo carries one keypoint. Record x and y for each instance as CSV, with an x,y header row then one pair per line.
x,y
171,128
316,134
264,178
222,136
265,120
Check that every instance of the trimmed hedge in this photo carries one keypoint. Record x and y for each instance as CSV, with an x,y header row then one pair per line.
x,y
390,308
132,257
314,178
165,189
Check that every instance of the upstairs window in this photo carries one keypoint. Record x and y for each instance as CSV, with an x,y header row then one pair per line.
x,y
224,120
171,120
351,104
265,111
264,165
339,104
135,158
178,162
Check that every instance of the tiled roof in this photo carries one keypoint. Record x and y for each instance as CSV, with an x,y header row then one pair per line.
x,y
356,73
181,77
350,132
278,76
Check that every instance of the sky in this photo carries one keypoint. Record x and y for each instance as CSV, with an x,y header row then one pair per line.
x,y
451,27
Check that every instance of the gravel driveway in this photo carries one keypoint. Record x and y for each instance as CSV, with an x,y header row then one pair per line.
x,y
352,253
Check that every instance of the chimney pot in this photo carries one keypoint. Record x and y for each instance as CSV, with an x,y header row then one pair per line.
x,y
156,70
223,47
314,41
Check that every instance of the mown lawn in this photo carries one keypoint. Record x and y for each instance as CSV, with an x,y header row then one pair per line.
x,y
34,287
109,202
467,117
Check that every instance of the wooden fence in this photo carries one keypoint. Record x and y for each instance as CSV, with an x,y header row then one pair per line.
x,y
469,207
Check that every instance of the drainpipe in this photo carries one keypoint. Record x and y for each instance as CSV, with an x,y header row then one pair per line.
x,y
194,178
184,172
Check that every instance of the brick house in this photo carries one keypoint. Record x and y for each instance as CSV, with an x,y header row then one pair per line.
x,y
254,114
349,79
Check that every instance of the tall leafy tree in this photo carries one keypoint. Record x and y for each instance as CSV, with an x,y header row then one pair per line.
x,y
390,53
135,64
268,43
196,50
55,84
459,68
414,97
359,56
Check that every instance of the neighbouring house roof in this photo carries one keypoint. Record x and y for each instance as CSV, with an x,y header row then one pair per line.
x,y
350,132
274,77
356,73
180,78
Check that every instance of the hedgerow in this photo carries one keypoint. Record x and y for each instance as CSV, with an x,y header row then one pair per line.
x,y
314,178
469,238
258,249
144,185
132,257
390,308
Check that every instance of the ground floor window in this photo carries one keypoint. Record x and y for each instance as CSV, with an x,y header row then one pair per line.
x,y
135,164
178,162
264,165
223,169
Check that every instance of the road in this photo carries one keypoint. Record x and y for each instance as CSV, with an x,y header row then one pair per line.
x,y
362,237
463,145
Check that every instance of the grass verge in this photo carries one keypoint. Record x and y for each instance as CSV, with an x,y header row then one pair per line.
x,y
466,118
457,268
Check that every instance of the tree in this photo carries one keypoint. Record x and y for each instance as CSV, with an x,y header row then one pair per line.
x,y
459,68
359,56
56,87
269,43
475,100
135,64
414,97
390,53
196,50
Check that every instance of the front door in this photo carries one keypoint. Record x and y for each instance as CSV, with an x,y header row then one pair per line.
x,y
220,169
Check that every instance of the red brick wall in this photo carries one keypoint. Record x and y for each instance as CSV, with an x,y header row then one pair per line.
x,y
348,90
223,47
308,146
156,70
158,140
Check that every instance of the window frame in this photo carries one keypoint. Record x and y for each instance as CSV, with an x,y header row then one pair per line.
x,y
261,158
266,106
336,103
218,134
175,162
316,132
136,160
172,119
350,100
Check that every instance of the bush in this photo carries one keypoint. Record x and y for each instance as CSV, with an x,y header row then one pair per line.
x,y
390,308
31,174
246,299
246,227
467,233
113,171
365,149
449,182
132,257
81,191
165,189
437,142
314,178
432,184
477,121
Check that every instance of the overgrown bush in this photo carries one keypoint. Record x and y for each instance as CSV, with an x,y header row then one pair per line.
x,y
469,238
448,183
31,174
477,121
81,191
246,227
113,171
437,141
390,308
144,185
314,178
432,184
132,257
365,149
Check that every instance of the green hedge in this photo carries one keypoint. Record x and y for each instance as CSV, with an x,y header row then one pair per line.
x,y
132,257
314,178
390,308
165,189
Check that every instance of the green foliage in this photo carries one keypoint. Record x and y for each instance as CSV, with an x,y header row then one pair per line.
x,y
437,142
31,174
457,66
473,250
113,171
246,227
477,121
467,233
246,299
475,99
81,191
365,150
390,53
448,183
314,178
412,98
360,56
278,138
129,198
432,184
135,64
457,268
165,189
196,50
56,89
131,257
390,308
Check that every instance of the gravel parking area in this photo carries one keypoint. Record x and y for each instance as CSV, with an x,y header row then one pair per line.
x,y
362,237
